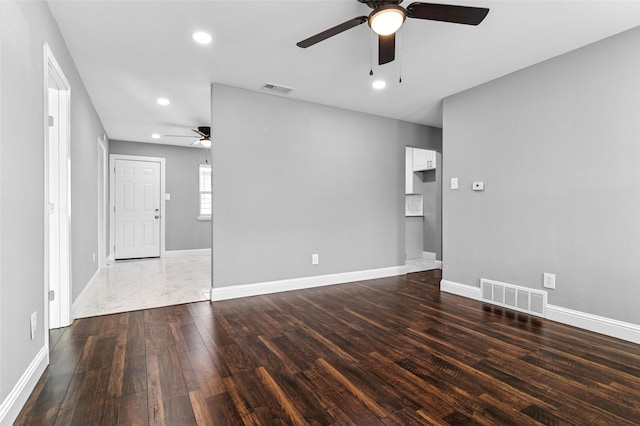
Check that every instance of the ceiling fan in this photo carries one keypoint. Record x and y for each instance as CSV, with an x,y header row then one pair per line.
x,y
203,132
388,16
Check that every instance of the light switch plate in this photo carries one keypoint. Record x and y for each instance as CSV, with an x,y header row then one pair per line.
x,y
454,183
167,196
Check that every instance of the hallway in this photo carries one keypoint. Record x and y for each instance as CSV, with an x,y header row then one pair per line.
x,y
130,285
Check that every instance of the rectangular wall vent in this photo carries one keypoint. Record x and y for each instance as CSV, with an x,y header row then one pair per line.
x,y
274,88
515,297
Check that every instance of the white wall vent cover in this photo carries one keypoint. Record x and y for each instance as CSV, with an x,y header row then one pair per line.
x,y
274,88
515,297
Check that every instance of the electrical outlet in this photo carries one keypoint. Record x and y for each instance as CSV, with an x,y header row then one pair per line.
x,y
34,324
315,259
549,280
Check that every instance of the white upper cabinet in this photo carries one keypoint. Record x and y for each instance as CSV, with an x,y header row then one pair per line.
x,y
423,159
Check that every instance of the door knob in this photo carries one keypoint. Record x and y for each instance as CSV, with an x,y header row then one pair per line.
x,y
157,214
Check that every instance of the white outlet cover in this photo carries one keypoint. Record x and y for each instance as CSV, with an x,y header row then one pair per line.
x,y
34,324
549,280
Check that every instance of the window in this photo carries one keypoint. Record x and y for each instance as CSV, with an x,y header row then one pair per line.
x,y
205,192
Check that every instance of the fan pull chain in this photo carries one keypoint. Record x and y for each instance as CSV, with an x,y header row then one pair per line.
x,y
371,53
400,55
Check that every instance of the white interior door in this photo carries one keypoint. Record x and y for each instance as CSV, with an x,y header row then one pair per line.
x,y
137,209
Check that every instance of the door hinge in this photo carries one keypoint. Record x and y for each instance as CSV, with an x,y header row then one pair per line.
x,y
52,295
51,121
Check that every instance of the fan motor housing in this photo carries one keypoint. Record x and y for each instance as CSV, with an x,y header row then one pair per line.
x,y
374,4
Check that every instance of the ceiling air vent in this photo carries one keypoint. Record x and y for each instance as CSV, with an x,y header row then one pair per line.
x,y
278,90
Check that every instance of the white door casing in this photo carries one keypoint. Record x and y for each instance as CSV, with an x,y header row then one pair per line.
x,y
137,206
103,168
58,190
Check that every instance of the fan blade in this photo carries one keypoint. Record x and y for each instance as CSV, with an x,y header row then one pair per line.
x,y
180,136
199,133
332,31
386,48
447,13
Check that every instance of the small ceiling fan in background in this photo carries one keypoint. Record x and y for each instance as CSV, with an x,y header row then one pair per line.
x,y
388,16
203,133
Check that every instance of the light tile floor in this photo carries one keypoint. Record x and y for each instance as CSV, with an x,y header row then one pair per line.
x,y
425,263
129,285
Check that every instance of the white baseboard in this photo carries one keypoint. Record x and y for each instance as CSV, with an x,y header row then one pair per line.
x,y
429,255
192,252
13,403
237,291
82,295
460,289
438,264
607,326
597,324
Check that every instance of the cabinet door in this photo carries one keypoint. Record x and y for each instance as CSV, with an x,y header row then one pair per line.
x,y
408,171
423,159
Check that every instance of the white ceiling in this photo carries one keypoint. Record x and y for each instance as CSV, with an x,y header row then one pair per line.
x,y
129,53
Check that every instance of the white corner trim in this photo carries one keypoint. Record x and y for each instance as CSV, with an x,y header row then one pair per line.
x,y
438,264
607,326
13,403
192,252
460,289
246,290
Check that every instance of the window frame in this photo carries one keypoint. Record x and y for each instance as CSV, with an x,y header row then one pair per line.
x,y
204,189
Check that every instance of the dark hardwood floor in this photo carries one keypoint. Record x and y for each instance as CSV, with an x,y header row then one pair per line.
x,y
392,351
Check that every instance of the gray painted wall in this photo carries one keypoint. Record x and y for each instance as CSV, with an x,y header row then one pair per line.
x,y
557,147
293,178
183,230
24,27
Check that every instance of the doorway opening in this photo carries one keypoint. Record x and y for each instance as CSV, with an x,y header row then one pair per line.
x,y
57,95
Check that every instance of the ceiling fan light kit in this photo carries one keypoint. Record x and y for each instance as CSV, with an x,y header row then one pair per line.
x,y
387,19
388,16
203,133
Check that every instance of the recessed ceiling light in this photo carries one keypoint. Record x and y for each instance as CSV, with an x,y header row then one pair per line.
x,y
202,37
163,101
379,84
155,136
